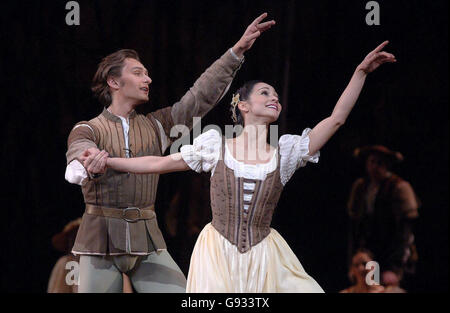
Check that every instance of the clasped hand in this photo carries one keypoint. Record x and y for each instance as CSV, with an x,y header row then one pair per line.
x,y
94,160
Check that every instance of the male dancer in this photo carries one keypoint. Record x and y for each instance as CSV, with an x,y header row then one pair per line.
x,y
119,232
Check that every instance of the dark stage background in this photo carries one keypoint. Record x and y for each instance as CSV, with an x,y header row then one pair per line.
x,y
309,56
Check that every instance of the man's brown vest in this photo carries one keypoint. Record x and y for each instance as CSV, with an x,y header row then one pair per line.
x,y
100,235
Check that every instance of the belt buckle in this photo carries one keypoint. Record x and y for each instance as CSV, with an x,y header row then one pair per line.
x,y
131,220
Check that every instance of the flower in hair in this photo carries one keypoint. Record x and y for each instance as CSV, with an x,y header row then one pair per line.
x,y
234,102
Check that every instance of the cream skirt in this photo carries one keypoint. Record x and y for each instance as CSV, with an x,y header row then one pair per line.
x,y
270,266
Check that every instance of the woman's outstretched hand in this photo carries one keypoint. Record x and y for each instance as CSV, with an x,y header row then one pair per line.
x,y
375,58
252,32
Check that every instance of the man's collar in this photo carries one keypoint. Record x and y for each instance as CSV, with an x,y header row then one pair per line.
x,y
110,116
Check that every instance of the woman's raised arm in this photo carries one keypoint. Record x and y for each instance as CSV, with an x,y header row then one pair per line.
x,y
325,129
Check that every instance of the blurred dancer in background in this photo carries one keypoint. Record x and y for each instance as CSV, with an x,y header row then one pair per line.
x,y
382,207
358,272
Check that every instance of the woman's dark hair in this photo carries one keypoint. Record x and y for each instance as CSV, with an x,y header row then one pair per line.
x,y
365,251
244,93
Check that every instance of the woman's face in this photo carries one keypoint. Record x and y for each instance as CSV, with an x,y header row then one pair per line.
x,y
262,106
359,262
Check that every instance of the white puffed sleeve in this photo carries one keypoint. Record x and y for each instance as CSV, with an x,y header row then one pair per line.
x,y
75,172
204,154
294,152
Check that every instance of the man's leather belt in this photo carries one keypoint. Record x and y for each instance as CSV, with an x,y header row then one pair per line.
x,y
130,214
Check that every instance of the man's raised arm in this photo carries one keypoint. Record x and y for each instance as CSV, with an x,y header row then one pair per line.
x,y
213,84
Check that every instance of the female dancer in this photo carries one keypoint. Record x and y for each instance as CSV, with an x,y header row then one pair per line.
x,y
238,251
358,273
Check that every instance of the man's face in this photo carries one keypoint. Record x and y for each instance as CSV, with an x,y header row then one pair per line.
x,y
134,82
376,166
